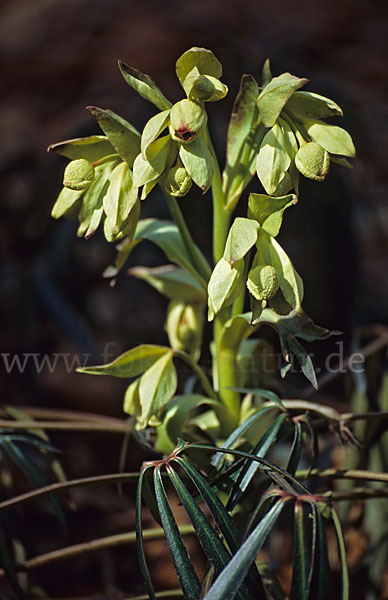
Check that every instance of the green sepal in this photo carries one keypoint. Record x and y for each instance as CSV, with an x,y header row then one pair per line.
x,y
275,95
157,386
132,363
144,86
268,211
153,129
173,282
273,159
201,59
242,236
92,148
198,162
307,105
332,138
225,285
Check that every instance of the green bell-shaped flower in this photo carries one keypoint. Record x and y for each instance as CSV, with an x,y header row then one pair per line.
x,y
79,175
263,282
312,161
177,182
187,118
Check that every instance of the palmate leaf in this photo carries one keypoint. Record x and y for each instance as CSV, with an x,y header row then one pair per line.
x,y
182,562
173,282
290,328
230,579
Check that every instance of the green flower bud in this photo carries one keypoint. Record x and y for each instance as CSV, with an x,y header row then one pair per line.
x,y
184,326
187,119
312,161
79,175
177,182
263,282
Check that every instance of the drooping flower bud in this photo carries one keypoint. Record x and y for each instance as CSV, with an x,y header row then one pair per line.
x,y
79,175
187,119
177,182
184,326
263,282
312,161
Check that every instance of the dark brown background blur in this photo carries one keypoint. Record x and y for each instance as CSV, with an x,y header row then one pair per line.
x,y
58,56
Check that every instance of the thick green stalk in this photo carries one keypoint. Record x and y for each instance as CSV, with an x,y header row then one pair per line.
x,y
199,261
224,367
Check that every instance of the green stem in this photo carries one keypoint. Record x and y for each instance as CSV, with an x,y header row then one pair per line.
x,y
200,373
224,367
198,259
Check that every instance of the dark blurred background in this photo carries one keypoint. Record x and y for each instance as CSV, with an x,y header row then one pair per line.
x,y
58,56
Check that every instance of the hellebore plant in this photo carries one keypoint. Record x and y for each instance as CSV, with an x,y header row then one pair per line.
x,y
277,132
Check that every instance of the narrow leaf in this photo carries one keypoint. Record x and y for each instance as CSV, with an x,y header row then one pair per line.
x,y
296,449
182,562
139,538
300,573
229,581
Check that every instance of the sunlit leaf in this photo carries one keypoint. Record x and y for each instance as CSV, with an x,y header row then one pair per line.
x,y
242,236
145,86
122,135
130,364
173,282
275,95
